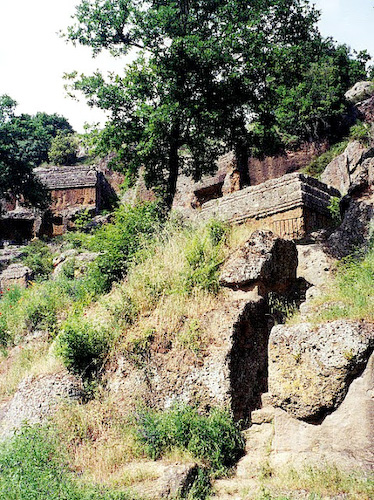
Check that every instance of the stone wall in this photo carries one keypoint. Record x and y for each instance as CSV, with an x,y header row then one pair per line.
x,y
291,206
74,197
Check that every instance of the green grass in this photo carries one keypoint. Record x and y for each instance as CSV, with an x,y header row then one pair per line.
x,y
351,293
318,165
32,468
361,132
215,439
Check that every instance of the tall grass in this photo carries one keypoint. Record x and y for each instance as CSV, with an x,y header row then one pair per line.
x,y
351,292
32,468
215,439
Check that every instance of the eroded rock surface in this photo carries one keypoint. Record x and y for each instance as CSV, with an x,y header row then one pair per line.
x,y
36,399
314,265
345,438
311,368
354,232
264,260
348,167
360,91
15,274
231,373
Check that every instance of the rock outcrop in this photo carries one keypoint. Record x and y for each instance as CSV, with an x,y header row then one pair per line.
x,y
15,274
265,260
345,438
349,167
360,92
38,398
311,368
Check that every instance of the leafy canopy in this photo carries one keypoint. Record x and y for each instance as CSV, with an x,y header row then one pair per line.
x,y
208,76
24,144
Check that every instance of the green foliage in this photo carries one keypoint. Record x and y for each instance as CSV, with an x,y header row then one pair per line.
x,y
313,108
32,468
203,258
63,150
8,301
82,219
351,295
334,208
38,257
361,132
202,69
24,144
215,438
83,346
118,243
318,165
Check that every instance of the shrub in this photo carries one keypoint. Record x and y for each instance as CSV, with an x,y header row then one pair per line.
x,y
38,257
361,132
119,242
215,438
334,208
32,468
83,346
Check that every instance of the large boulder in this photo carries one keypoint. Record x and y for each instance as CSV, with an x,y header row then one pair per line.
x,y
366,110
311,368
15,274
265,260
36,399
231,373
355,230
348,167
315,265
360,91
345,438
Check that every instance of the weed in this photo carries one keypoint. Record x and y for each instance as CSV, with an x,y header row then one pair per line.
x,y
215,438
334,209
38,257
83,346
318,165
32,468
351,292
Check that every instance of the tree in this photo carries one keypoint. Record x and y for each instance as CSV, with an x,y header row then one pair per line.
x,y
204,70
24,144
63,150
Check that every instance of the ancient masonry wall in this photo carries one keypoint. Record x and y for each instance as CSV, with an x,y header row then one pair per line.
x,y
291,206
66,198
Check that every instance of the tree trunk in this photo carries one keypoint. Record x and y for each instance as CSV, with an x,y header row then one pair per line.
x,y
242,158
173,166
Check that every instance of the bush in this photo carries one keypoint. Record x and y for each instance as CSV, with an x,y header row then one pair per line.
x,y
215,438
33,469
83,347
38,257
318,165
118,243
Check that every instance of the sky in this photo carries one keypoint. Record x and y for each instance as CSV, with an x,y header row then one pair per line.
x,y
33,58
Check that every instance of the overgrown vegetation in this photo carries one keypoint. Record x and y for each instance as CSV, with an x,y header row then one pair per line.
x,y
325,481
33,468
359,132
39,258
350,295
215,438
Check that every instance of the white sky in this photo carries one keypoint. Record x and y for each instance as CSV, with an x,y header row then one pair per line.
x,y
33,58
